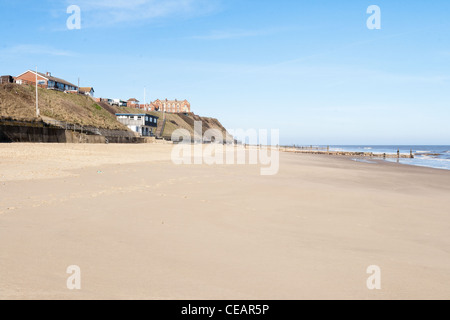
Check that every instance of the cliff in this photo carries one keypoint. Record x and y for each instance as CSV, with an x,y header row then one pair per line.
x,y
17,102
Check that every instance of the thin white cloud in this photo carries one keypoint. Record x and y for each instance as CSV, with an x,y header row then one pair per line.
x,y
231,34
239,33
102,4
109,12
27,49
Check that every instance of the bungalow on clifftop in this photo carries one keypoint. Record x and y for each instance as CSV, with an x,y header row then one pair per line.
x,y
45,81
133,103
88,91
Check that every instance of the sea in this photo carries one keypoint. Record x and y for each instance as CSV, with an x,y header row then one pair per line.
x,y
437,157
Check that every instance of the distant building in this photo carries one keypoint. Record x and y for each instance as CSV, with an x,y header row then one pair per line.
x,y
89,91
171,106
133,103
45,81
107,100
143,124
118,102
6,79
146,107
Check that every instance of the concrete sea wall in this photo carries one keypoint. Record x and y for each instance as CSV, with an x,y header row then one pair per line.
x,y
44,134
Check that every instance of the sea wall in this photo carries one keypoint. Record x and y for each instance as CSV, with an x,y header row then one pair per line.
x,y
43,134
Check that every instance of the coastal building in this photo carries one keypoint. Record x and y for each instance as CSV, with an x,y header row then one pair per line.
x,y
45,81
146,107
89,91
133,103
6,79
118,103
107,100
143,124
171,106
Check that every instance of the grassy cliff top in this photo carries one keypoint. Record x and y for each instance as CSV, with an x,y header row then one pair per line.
x,y
18,102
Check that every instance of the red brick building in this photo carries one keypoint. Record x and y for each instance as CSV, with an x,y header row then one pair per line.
x,y
133,103
171,106
45,80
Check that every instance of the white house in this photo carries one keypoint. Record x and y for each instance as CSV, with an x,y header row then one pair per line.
x,y
143,124
89,91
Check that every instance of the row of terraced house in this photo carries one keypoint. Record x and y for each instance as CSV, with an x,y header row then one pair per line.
x,y
168,106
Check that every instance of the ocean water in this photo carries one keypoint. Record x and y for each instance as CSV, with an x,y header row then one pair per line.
x,y
425,156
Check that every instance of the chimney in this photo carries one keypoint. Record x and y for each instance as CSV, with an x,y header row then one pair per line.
x,y
48,74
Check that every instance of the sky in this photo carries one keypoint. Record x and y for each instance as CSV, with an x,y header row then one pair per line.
x,y
311,69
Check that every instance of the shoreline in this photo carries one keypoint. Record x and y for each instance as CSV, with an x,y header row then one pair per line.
x,y
17,159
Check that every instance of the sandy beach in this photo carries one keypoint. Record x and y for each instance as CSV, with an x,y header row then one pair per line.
x,y
140,227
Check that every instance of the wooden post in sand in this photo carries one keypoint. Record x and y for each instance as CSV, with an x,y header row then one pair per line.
x,y
411,154
384,155
398,153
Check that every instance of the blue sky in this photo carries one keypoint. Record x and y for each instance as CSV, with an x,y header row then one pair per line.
x,y
309,68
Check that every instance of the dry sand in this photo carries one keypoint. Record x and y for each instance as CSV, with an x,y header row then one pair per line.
x,y
141,227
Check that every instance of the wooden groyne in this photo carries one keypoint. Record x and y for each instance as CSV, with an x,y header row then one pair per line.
x,y
326,151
